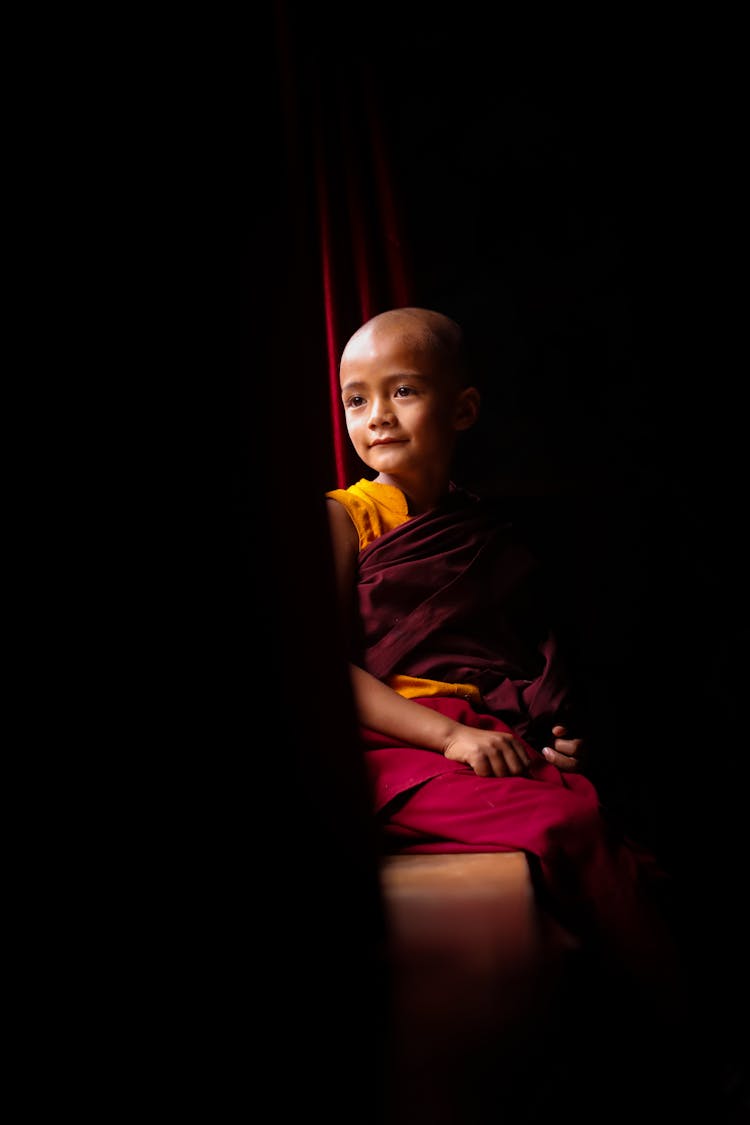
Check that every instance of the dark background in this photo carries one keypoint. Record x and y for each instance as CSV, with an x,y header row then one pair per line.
x,y
573,200
571,190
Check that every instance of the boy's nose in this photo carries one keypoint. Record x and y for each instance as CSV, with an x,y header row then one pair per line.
x,y
381,413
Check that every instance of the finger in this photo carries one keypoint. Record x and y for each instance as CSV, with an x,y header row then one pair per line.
x,y
513,762
562,761
520,752
571,747
497,763
567,747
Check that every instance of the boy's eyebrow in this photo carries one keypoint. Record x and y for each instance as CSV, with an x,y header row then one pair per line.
x,y
395,377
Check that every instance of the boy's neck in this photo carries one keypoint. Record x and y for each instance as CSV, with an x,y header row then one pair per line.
x,y
421,496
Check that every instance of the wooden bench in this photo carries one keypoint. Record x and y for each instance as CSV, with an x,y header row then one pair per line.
x,y
474,969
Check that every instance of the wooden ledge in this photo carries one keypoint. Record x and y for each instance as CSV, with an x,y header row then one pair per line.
x,y
473,964
474,910
463,875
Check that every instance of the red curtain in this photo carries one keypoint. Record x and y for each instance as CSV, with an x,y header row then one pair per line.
x,y
338,152
373,248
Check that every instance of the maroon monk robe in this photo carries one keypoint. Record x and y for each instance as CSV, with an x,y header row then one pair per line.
x,y
451,595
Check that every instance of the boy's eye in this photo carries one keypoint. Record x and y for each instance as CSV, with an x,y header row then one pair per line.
x,y
355,400
402,392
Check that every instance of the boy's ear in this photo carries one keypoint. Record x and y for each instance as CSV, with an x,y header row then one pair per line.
x,y
467,408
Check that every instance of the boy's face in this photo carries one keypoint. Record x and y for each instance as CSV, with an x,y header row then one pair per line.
x,y
402,406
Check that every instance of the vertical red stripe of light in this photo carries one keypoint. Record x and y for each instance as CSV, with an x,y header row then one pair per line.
x,y
359,228
400,283
339,437
359,250
357,225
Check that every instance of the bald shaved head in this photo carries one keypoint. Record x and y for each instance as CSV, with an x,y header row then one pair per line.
x,y
429,332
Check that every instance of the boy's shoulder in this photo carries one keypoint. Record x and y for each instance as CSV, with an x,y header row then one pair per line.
x,y
373,508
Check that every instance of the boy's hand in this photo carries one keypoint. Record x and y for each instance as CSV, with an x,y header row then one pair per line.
x,y
565,753
490,753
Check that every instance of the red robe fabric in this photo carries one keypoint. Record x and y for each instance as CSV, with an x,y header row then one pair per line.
x,y
453,596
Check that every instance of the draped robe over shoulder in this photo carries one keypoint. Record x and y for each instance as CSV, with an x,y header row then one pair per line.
x,y
454,596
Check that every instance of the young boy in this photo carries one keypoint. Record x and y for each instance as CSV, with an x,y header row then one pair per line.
x,y
463,699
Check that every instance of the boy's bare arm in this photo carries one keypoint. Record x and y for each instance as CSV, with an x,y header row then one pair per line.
x,y
490,753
